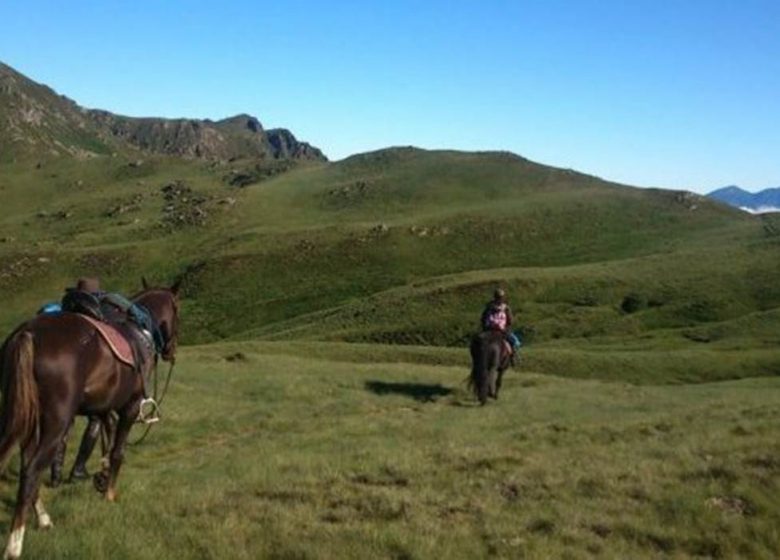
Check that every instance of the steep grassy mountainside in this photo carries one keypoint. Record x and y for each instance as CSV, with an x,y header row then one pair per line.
x,y
404,246
37,124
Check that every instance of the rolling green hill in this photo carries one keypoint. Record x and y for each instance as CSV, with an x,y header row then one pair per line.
x,y
403,246
397,246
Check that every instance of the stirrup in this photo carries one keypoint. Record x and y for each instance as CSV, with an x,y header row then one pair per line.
x,y
148,414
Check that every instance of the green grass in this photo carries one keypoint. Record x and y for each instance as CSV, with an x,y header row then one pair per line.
x,y
311,456
642,424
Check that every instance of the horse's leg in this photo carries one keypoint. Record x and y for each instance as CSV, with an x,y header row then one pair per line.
x,y
126,420
498,381
59,458
44,519
493,382
88,440
35,458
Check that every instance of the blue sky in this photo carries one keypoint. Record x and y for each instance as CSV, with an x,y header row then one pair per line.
x,y
650,93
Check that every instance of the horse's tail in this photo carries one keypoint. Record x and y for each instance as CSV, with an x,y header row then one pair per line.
x,y
20,408
480,368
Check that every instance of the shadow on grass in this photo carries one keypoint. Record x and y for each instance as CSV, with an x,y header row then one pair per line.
x,y
422,392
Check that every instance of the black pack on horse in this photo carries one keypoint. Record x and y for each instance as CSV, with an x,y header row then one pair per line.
x,y
55,367
490,358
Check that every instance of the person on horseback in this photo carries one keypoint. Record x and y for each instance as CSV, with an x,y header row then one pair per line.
x,y
497,316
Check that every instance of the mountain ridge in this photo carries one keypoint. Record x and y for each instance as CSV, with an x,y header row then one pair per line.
x,y
38,122
766,200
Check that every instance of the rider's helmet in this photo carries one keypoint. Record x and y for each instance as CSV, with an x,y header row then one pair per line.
x,y
499,295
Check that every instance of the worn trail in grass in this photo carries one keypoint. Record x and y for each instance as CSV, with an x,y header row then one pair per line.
x,y
271,455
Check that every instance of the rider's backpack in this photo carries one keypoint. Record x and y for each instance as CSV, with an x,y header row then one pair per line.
x,y
496,318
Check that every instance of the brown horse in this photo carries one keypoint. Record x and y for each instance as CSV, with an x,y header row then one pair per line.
x,y
489,361
57,366
93,429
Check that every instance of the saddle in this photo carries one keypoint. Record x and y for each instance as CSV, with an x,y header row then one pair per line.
x,y
125,334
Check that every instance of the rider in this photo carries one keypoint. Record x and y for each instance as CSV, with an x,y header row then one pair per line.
x,y
497,316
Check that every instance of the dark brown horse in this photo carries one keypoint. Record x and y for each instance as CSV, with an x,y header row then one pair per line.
x,y
57,366
92,432
489,360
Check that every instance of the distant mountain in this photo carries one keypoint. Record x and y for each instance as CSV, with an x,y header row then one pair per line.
x,y
767,200
36,122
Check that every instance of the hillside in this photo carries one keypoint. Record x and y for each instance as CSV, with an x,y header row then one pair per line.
x,y
38,123
402,246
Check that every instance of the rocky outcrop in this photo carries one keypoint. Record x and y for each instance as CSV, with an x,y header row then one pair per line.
x,y
286,146
34,120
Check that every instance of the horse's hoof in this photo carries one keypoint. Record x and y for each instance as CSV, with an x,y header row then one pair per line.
x,y
100,480
111,495
78,475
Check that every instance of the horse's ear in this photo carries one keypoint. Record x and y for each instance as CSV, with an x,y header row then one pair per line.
x,y
144,283
176,286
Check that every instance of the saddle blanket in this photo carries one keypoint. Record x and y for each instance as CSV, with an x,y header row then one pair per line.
x,y
115,340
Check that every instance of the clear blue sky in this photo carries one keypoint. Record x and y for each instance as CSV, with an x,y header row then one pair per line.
x,y
677,94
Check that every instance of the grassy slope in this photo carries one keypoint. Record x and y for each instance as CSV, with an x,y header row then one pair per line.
x,y
321,443
289,457
403,246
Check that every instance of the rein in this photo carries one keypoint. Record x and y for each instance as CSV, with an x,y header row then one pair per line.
x,y
159,400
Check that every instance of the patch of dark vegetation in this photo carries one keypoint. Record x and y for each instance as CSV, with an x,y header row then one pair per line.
x,y
648,539
237,357
664,427
740,431
704,547
590,487
600,530
387,478
284,496
586,300
632,303
398,552
700,309
510,491
713,472
452,511
542,526
365,508
59,215
697,335
489,463
258,172
638,494
422,392
350,194
764,462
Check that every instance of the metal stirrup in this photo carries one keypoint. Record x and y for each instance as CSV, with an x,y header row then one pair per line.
x,y
152,415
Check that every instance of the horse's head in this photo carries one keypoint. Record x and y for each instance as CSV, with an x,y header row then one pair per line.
x,y
163,304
